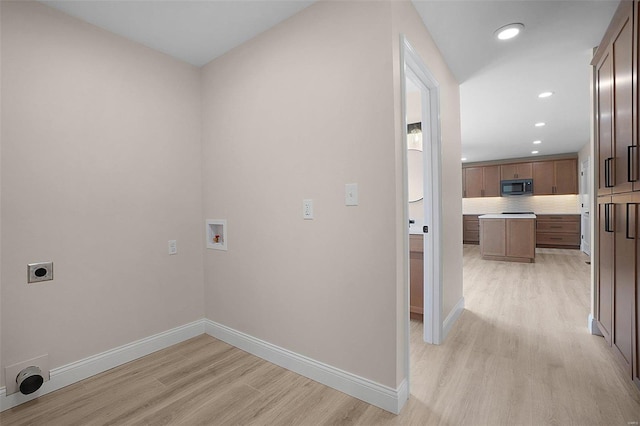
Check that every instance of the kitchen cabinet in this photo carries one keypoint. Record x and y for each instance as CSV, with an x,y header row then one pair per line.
x,y
555,177
416,277
616,117
483,181
470,229
516,171
558,231
624,228
617,278
504,237
604,311
615,96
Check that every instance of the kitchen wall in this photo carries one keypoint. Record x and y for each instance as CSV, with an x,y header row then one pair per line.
x,y
541,204
101,149
297,113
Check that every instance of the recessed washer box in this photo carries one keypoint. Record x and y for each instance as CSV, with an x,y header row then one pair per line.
x,y
40,271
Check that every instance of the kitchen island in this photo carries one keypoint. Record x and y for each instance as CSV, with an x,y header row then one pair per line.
x,y
508,237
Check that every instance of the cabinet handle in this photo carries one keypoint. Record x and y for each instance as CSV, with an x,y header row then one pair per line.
x,y
607,218
607,173
630,165
631,236
555,238
555,227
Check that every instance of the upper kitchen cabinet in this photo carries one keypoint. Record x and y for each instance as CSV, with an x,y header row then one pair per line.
x,y
481,181
615,95
516,171
556,177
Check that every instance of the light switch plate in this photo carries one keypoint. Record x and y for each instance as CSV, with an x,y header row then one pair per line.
x,y
173,247
351,194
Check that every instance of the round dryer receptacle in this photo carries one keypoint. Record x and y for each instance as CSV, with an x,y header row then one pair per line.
x,y
29,379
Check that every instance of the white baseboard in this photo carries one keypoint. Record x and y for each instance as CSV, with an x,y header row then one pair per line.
x,y
451,319
80,370
366,390
592,325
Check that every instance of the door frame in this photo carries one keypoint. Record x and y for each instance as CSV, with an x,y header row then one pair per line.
x,y
414,68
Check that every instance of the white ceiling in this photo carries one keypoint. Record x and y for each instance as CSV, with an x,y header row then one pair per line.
x,y
195,31
499,81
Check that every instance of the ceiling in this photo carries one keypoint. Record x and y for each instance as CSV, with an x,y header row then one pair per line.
x,y
500,81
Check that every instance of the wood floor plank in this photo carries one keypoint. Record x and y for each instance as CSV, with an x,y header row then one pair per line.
x,y
520,354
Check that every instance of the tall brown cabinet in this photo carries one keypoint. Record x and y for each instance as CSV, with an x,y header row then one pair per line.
x,y
618,187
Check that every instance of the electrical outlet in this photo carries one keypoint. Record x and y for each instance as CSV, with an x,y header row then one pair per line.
x,y
41,271
307,209
173,247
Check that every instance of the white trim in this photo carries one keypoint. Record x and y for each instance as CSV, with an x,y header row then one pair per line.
x,y
413,67
592,325
453,316
95,364
366,390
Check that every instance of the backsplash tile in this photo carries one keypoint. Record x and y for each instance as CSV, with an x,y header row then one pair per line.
x,y
540,204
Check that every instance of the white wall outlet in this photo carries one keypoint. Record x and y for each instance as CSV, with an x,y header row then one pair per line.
x,y
173,247
307,209
11,372
41,271
351,194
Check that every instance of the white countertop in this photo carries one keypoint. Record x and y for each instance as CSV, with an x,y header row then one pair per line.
x,y
507,216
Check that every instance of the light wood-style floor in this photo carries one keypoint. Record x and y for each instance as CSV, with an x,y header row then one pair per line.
x,y
519,355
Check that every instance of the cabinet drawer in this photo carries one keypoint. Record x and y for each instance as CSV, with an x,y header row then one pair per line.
x,y
551,227
553,239
470,225
558,218
471,236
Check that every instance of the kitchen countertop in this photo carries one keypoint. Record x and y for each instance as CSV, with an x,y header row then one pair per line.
x,y
507,216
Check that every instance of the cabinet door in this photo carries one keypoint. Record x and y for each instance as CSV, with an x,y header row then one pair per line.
x,y
492,237
521,237
624,284
473,182
464,184
566,177
623,146
604,118
508,171
491,181
543,181
604,311
524,171
416,274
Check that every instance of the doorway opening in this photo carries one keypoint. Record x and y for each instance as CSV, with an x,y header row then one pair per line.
x,y
421,104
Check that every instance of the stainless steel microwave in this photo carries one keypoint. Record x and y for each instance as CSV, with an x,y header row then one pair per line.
x,y
516,187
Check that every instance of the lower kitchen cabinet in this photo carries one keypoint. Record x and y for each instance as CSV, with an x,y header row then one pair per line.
x,y
558,231
507,239
416,277
618,289
470,229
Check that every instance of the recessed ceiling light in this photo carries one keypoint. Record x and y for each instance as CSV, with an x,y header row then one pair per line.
x,y
537,142
508,31
545,94
540,124
464,158
534,152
